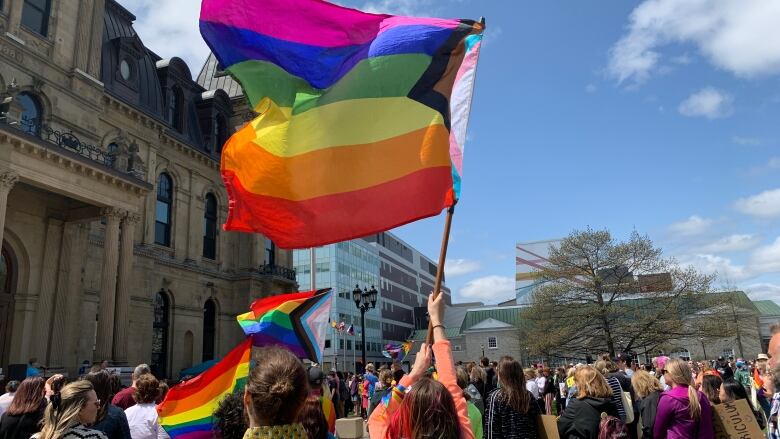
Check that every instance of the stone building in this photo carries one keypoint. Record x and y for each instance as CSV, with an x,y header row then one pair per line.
x,y
111,199
475,330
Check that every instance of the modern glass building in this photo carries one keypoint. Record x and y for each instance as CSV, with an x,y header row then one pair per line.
x,y
342,266
403,276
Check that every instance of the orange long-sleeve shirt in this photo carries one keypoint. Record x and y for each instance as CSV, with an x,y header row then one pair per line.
x,y
379,421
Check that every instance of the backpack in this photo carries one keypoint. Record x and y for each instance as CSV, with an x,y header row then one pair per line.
x,y
611,427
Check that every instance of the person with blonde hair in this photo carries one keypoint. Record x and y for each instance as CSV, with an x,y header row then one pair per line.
x,y
583,413
70,412
683,412
648,390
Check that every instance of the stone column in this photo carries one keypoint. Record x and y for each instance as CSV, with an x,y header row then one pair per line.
x,y
49,271
7,181
121,319
71,260
105,328
83,35
96,45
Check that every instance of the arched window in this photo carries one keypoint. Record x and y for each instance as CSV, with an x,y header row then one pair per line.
x,y
162,224
210,227
175,107
209,329
31,113
221,133
162,306
270,252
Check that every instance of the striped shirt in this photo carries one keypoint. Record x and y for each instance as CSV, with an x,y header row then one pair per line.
x,y
617,396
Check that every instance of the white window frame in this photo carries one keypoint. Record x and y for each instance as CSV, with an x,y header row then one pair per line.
x,y
495,342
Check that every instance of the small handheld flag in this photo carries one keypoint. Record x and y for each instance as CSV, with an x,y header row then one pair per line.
x,y
397,352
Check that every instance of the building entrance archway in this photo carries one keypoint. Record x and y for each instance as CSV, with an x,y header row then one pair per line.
x,y
8,275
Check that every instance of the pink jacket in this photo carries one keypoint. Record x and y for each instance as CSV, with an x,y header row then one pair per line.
x,y
672,420
445,367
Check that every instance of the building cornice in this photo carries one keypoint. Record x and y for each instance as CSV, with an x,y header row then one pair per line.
x,y
39,149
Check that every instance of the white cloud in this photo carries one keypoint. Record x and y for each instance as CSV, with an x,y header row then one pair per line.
x,y
731,34
590,88
763,205
170,28
774,163
711,264
683,59
488,289
766,259
707,102
752,141
763,291
459,267
732,243
694,225
761,261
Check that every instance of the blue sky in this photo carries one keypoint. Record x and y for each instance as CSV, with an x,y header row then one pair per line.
x,y
658,115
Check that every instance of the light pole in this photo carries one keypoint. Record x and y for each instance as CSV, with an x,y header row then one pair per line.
x,y
365,300
701,339
483,350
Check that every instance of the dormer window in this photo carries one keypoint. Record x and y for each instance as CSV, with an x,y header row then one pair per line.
x,y
125,71
220,133
175,107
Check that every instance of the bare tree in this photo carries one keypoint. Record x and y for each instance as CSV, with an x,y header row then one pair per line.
x,y
601,295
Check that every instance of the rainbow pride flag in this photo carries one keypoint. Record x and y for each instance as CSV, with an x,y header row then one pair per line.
x,y
186,412
397,352
296,321
362,117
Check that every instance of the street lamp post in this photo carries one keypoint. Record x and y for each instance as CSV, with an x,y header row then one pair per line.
x,y
365,300
701,339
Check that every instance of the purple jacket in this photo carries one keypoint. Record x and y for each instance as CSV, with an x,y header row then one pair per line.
x,y
672,420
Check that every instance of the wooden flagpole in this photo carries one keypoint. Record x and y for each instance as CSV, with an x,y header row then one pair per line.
x,y
440,268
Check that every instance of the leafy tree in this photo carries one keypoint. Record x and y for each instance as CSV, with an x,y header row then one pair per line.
x,y
602,295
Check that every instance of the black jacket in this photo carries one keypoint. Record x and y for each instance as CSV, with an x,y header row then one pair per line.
x,y
501,421
114,424
21,426
647,408
491,381
581,418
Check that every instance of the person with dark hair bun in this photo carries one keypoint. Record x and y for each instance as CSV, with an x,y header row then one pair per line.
x,y
274,394
230,418
24,416
111,419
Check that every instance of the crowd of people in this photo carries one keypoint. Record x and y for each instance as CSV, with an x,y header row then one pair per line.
x,y
94,406
668,398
